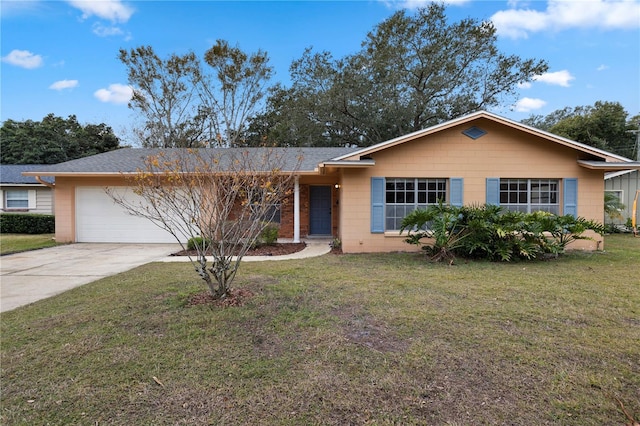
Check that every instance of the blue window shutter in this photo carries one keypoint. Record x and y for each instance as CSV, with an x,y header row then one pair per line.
x,y
570,197
377,205
456,191
493,191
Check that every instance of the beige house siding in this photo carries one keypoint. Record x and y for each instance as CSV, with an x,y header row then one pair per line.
x,y
501,153
40,197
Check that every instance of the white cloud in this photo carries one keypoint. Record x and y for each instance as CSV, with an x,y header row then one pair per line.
x,y
102,31
529,104
525,85
113,10
115,94
561,14
602,67
23,58
64,84
558,78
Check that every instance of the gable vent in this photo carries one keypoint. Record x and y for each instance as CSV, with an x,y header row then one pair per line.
x,y
474,132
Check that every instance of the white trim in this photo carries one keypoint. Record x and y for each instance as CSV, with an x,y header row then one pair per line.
x,y
612,175
32,203
296,210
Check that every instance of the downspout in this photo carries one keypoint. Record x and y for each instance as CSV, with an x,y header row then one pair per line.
x,y
45,183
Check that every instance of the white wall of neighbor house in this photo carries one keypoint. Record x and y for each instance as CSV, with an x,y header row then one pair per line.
x,y
39,199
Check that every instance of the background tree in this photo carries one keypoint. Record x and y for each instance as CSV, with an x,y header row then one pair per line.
x,y
221,200
234,93
53,140
184,105
413,71
165,95
604,125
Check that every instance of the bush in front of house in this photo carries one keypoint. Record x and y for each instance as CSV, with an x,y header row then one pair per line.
x,y
22,223
489,232
268,236
197,242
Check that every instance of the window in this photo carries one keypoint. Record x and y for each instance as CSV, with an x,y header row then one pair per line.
x,y
273,213
270,212
17,199
530,195
613,205
402,196
615,195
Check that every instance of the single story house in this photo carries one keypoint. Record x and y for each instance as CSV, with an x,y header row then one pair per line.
x,y
25,194
624,184
360,195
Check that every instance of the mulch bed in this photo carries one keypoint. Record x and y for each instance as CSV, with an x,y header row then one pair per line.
x,y
277,249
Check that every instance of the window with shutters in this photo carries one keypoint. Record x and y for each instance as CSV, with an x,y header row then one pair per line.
x,y
530,195
403,195
16,199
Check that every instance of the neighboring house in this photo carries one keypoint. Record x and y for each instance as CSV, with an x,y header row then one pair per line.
x,y
361,195
25,194
624,185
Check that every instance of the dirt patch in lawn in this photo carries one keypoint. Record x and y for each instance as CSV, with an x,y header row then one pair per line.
x,y
235,297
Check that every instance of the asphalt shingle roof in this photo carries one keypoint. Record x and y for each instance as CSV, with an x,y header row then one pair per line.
x,y
12,174
127,160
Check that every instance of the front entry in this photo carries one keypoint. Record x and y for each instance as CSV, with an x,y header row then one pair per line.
x,y
320,210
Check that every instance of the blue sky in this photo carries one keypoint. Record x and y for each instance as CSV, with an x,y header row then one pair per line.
x,y
61,56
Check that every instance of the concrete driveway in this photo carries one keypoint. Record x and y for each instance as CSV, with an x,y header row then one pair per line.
x,y
34,275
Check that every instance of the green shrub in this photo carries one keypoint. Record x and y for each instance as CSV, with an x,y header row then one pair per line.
x,y
22,223
268,236
488,232
196,242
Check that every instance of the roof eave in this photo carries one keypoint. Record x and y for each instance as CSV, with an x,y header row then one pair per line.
x,y
610,166
120,174
346,164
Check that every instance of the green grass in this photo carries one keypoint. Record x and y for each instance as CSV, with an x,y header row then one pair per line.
x,y
351,339
15,243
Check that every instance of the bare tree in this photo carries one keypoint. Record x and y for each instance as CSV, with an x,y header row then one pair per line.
x,y
233,95
166,96
222,199
184,104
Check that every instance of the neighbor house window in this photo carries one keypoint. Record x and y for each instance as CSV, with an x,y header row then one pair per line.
x,y
17,199
402,196
530,195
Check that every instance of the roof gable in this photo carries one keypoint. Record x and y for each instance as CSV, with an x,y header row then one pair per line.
x,y
470,118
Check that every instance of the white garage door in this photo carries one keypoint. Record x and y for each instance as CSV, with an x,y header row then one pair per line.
x,y
100,220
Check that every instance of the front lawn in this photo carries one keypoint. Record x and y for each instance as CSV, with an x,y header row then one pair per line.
x,y
15,243
339,339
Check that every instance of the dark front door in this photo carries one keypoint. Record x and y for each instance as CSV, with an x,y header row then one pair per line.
x,y
320,210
